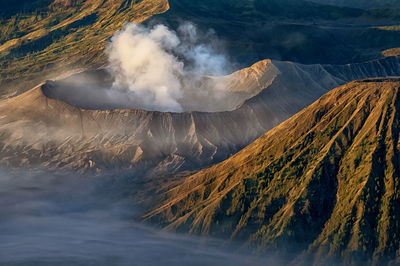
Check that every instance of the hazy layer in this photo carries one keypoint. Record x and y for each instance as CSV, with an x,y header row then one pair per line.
x,y
54,219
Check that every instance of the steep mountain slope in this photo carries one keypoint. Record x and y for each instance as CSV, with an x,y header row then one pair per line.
x,y
289,30
43,127
43,39
265,9
323,184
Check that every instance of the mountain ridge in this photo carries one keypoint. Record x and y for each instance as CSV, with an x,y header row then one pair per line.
x,y
37,130
38,44
308,188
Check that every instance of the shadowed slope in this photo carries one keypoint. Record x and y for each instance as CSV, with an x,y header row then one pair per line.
x,y
325,181
361,3
289,30
41,39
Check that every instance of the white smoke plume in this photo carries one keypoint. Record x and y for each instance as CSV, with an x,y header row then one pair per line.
x,y
164,70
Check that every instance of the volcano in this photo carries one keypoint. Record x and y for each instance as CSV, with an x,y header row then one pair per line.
x,y
61,124
322,187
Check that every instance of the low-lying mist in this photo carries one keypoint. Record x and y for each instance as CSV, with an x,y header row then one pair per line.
x,y
63,219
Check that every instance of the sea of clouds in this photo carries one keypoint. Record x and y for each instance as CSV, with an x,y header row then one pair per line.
x,y
49,218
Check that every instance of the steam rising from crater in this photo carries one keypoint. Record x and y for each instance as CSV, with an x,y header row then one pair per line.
x,y
160,69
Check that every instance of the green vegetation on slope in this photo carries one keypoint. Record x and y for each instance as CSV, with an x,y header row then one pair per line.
x,y
36,44
325,181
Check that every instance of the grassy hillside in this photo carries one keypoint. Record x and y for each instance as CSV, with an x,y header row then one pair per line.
x,y
325,181
42,39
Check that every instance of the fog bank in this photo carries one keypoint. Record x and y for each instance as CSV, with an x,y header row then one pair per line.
x,y
54,219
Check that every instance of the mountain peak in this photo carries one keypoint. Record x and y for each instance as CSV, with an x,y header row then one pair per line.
x,y
325,180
